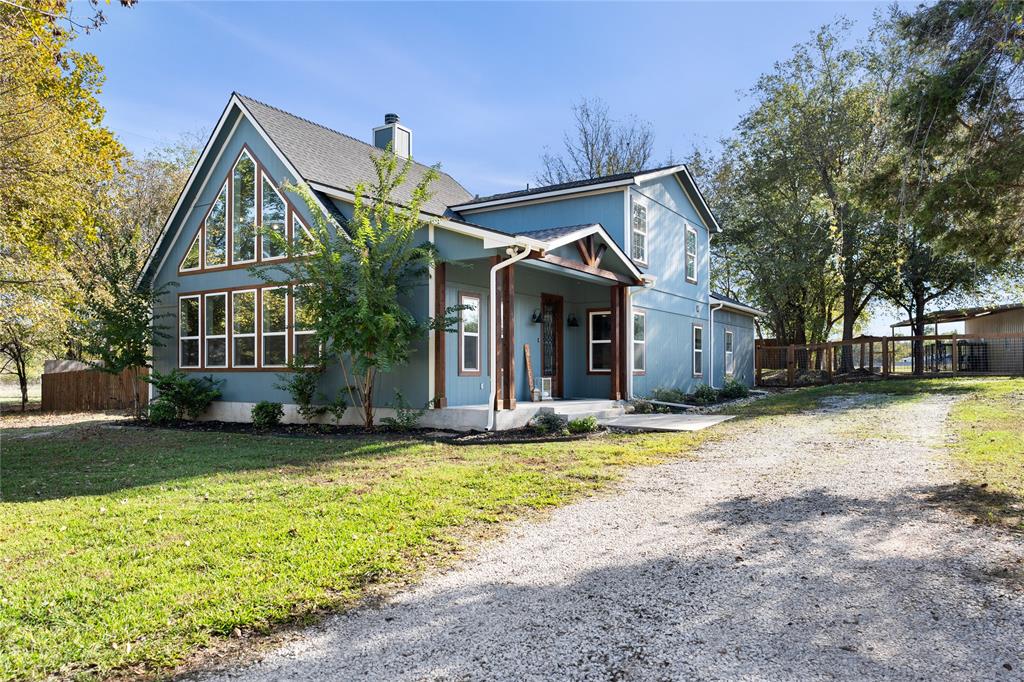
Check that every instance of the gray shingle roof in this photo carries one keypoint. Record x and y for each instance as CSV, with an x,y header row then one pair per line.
x,y
549,233
568,185
326,156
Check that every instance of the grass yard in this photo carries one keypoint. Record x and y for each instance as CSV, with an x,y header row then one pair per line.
x,y
127,549
989,429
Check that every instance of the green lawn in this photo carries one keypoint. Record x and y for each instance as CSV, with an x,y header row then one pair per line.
x,y
126,548
989,429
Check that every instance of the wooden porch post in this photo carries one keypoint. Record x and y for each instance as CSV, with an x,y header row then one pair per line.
x,y
955,356
871,358
829,348
885,357
439,397
508,326
790,364
617,345
758,361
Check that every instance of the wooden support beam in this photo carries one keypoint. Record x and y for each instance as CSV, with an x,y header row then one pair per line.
x,y
440,398
589,269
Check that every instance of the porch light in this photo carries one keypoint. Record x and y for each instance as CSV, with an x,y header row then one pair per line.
x,y
536,318
572,321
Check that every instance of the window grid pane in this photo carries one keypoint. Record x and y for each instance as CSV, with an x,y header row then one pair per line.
x,y
274,212
243,328
243,210
469,334
600,341
216,230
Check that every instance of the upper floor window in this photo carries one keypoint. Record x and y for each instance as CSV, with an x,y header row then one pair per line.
x,y
243,210
216,232
274,235
691,254
599,341
639,233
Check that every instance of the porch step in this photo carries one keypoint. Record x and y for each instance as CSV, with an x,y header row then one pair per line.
x,y
573,409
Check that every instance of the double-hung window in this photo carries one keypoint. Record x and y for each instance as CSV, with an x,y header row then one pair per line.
x,y
275,327
216,318
469,334
304,345
599,341
730,364
638,238
698,350
691,254
639,342
243,328
188,331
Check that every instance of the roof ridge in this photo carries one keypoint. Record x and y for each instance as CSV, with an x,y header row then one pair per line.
x,y
338,132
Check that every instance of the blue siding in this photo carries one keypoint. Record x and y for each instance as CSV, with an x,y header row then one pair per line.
x,y
608,209
742,327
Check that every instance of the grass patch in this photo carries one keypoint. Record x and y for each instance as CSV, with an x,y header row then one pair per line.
x,y
131,549
988,426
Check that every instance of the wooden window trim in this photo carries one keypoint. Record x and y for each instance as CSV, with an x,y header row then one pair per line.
x,y
260,237
698,368
590,342
632,363
463,372
283,333
690,229
295,332
199,338
224,188
257,176
197,239
214,337
254,335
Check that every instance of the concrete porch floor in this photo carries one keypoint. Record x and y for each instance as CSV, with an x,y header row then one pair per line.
x,y
474,417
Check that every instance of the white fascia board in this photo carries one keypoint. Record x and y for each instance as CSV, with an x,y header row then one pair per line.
x,y
738,307
471,206
696,188
659,174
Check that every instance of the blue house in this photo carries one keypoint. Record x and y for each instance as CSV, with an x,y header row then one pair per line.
x,y
577,296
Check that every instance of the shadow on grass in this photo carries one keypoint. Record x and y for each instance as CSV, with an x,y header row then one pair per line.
x,y
979,500
799,587
97,458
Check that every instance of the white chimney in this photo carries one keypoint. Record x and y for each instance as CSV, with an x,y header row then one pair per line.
x,y
395,134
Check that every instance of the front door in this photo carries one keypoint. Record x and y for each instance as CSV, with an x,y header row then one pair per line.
x,y
551,341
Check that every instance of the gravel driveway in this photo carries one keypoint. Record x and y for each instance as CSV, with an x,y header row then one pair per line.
x,y
801,547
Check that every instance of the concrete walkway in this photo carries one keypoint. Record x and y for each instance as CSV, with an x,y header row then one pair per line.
x,y
664,422
804,547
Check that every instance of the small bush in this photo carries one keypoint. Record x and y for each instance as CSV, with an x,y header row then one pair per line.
x,y
406,416
642,407
162,412
336,408
301,384
733,390
549,423
189,397
266,415
586,424
704,395
668,395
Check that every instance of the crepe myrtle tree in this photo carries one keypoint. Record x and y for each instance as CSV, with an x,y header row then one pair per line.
x,y
360,267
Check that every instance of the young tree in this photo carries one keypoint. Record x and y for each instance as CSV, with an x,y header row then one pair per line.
x,y
598,146
361,270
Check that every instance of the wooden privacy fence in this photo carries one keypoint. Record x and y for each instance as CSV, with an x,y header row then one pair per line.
x,y
92,389
869,357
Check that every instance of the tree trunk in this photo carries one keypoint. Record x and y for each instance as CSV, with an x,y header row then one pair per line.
x,y
368,400
919,330
23,382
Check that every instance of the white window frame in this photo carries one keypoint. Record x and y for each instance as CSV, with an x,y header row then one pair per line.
x,y
263,223
690,229
698,364
199,327
643,343
214,337
257,209
255,329
463,335
591,314
730,358
227,228
295,332
264,334
633,231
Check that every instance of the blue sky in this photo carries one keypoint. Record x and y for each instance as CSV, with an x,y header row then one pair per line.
x,y
484,86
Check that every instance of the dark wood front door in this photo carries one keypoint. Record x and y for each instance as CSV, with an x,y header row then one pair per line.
x,y
551,344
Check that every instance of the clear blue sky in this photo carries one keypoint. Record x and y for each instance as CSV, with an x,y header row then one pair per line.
x,y
484,86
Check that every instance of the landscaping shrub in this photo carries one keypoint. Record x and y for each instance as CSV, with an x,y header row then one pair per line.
x,y
668,395
550,423
266,414
189,397
704,395
586,424
336,408
301,384
733,390
162,412
406,416
642,407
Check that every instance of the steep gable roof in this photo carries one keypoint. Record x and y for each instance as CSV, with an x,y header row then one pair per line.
x,y
327,157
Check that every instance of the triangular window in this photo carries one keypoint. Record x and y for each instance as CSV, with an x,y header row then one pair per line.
x,y
274,214
191,259
243,210
216,230
302,238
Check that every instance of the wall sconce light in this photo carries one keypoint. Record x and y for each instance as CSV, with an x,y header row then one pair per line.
x,y
573,322
536,318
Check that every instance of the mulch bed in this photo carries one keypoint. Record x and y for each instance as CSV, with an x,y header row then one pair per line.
x,y
349,432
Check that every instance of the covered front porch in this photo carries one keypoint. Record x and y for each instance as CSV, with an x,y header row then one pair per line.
x,y
560,333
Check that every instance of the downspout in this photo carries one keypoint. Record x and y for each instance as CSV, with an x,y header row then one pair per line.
x,y
711,341
647,284
491,332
